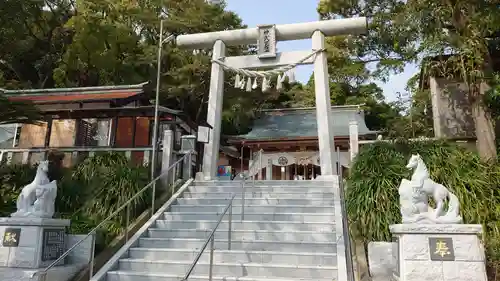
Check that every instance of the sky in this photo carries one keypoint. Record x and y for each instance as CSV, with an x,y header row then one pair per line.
x,y
257,12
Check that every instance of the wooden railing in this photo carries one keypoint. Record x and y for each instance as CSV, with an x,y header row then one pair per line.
x,y
72,154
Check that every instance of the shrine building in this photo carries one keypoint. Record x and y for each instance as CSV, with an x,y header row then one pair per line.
x,y
87,119
284,142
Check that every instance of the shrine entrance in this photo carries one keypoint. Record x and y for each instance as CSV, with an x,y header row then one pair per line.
x,y
304,172
266,37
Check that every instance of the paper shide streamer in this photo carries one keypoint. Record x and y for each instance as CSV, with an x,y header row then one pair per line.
x,y
252,83
249,80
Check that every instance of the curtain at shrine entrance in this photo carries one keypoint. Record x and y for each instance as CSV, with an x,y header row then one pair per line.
x,y
304,172
296,165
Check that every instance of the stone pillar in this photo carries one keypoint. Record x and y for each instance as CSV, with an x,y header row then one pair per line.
x,y
166,155
188,144
260,164
214,113
353,139
251,163
269,169
323,107
438,252
435,101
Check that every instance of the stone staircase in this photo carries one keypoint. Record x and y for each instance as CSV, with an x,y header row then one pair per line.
x,y
289,232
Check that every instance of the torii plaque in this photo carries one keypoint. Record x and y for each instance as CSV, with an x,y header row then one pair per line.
x,y
267,58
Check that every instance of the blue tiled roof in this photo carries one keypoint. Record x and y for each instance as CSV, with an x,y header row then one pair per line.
x,y
292,123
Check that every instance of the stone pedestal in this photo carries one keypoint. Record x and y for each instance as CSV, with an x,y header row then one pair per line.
x,y
381,260
32,242
438,252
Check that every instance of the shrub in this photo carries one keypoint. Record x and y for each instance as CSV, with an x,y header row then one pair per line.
x,y
110,180
87,193
372,198
102,184
12,179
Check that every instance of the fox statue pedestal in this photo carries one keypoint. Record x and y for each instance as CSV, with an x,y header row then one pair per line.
x,y
33,240
438,252
432,244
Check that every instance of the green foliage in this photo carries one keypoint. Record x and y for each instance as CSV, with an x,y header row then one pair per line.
x,y
389,44
111,180
87,193
65,43
351,84
12,179
456,40
97,187
61,43
372,195
492,97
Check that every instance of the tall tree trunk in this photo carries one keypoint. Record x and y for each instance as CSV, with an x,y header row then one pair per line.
x,y
485,129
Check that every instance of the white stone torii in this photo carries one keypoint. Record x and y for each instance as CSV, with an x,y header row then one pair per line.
x,y
317,30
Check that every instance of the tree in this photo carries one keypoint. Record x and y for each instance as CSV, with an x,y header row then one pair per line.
x,y
401,31
350,85
32,40
64,43
420,110
492,99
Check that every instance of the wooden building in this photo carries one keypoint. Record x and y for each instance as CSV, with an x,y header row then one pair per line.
x,y
284,142
108,116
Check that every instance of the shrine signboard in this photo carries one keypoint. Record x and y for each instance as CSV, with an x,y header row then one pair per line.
x,y
11,237
441,249
53,244
267,41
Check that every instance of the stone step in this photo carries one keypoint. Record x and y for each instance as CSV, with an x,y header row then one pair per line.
x,y
230,269
257,245
295,217
147,276
229,188
261,194
254,208
235,256
271,183
296,236
247,225
256,201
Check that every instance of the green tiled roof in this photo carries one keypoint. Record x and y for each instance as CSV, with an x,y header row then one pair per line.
x,y
293,123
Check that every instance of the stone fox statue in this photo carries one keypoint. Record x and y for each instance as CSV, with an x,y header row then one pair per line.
x,y
46,194
28,194
438,192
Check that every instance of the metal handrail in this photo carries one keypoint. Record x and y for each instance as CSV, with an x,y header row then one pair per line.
x,y
76,149
92,233
345,222
211,238
10,152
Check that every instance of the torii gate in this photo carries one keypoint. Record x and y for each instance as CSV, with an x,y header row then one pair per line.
x,y
266,36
